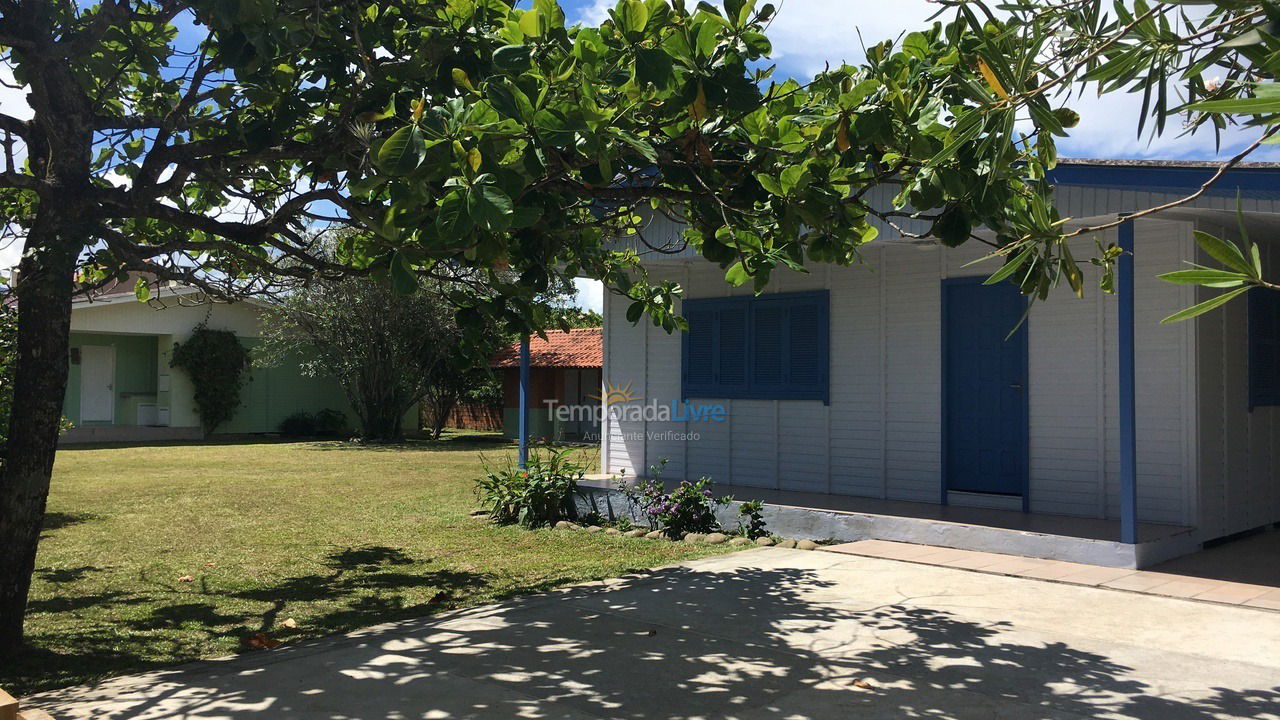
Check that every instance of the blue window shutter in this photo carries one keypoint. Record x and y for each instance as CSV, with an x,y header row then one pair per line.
x,y
808,355
769,344
731,345
699,343
768,347
1264,347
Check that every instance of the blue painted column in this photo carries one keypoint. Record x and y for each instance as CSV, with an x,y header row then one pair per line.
x,y
524,402
1128,393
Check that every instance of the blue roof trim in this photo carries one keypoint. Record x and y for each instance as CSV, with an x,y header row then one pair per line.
x,y
1257,183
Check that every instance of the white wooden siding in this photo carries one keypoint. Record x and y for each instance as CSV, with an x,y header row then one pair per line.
x,y
881,434
1239,461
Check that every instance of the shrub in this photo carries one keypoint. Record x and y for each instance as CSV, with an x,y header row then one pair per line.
x,y
690,508
325,423
538,495
215,361
299,424
331,422
751,519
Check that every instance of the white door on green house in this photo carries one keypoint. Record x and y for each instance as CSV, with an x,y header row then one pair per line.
x,y
97,383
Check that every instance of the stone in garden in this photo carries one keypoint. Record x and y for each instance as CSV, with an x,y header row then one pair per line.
x,y
806,545
634,533
694,537
788,543
740,541
564,525
595,529
612,531
716,538
764,541
654,534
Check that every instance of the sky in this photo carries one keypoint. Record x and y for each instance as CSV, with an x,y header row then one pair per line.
x,y
808,34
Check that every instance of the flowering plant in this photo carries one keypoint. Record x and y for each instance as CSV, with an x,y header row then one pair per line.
x,y
689,508
540,494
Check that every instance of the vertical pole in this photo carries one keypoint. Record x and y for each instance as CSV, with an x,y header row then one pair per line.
x,y
524,401
1128,395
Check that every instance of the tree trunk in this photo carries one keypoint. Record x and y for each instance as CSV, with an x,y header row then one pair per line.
x,y
43,289
383,422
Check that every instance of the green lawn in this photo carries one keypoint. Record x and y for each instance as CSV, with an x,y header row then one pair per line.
x,y
157,555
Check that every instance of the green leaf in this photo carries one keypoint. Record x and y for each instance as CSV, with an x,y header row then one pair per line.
x,y
770,183
403,279
639,145
1239,106
1011,267
142,290
1206,306
757,43
489,207
513,58
1206,277
916,45
634,311
452,220
461,80
1224,252
532,24
508,99
653,67
367,184
794,178
375,116
1245,39
403,152
737,275
631,17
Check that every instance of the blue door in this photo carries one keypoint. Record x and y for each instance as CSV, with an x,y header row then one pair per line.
x,y
984,388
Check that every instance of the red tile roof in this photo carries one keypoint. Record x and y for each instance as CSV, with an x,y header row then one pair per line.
x,y
578,348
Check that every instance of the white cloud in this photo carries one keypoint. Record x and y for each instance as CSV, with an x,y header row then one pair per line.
x,y
590,294
13,101
10,250
595,13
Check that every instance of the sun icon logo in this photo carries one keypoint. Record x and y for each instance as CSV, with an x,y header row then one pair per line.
x,y
616,394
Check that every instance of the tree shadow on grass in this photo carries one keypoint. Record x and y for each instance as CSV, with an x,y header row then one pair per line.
x,y
446,443
757,642
54,521
173,622
67,575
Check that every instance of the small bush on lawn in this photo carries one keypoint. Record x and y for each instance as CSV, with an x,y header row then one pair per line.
x,y
539,495
326,423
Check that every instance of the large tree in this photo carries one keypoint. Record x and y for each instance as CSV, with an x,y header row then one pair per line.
x,y
388,350
202,141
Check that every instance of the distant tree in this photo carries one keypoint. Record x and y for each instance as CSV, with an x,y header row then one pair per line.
x,y
576,317
387,350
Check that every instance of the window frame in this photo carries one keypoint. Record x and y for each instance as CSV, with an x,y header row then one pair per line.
x,y
821,390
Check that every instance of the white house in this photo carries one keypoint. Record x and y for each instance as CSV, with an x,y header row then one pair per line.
x,y
885,399
121,386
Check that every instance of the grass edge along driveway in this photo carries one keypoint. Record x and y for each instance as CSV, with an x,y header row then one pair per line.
x,y
159,555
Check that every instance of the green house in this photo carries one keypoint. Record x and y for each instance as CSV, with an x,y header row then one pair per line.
x,y
122,388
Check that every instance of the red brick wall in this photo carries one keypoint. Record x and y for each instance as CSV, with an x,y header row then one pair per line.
x,y
475,416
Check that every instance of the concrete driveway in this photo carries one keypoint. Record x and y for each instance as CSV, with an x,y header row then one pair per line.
x,y
766,633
